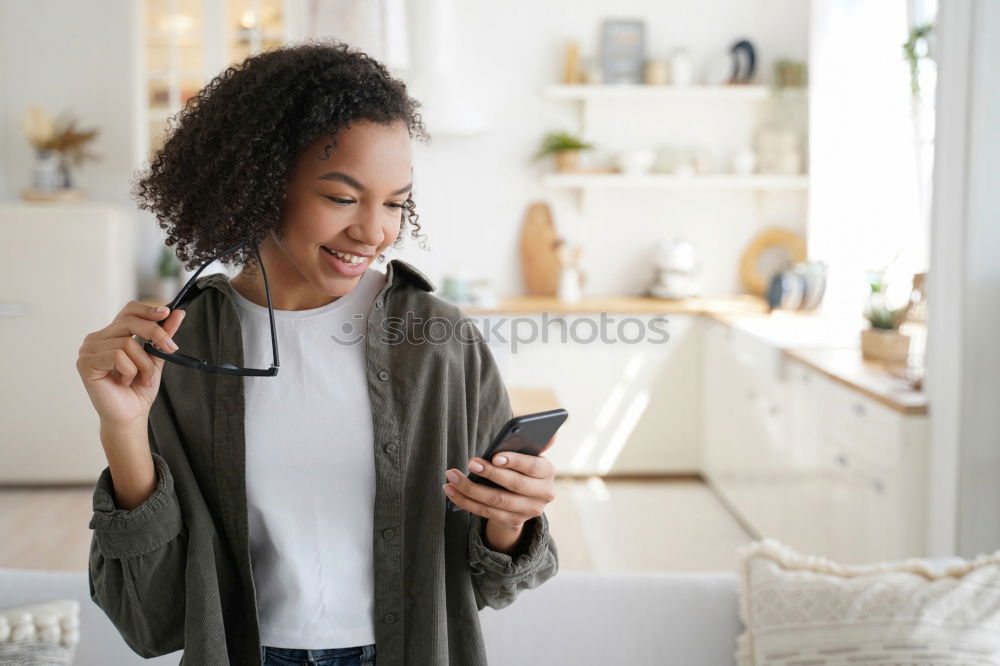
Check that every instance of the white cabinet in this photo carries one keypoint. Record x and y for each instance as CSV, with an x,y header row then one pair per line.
x,y
65,270
632,393
876,460
806,459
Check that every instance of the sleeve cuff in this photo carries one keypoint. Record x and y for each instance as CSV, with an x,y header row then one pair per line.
x,y
484,560
155,522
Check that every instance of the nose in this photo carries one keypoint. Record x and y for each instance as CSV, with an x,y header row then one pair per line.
x,y
367,229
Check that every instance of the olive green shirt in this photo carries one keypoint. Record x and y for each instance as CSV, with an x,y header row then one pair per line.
x,y
175,572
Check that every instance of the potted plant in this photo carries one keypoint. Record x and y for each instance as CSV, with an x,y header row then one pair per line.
x,y
882,341
169,272
58,144
565,148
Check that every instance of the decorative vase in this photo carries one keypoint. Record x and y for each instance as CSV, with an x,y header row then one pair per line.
x,y
567,160
167,287
569,285
681,69
878,344
47,175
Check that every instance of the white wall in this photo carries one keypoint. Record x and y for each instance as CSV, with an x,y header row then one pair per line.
x,y
471,192
63,54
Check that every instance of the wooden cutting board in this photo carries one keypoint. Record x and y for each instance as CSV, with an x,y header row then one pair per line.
x,y
539,261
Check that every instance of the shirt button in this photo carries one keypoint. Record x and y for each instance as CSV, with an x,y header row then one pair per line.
x,y
390,448
383,375
378,304
389,617
387,533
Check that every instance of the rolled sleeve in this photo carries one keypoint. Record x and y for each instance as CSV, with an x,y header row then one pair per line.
x,y
149,526
498,577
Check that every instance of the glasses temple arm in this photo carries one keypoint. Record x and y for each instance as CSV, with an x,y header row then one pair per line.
x,y
270,309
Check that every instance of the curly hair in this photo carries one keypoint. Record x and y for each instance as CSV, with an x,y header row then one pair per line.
x,y
221,176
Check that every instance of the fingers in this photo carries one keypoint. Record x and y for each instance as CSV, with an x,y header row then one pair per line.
x,y
115,349
145,363
537,467
173,321
502,506
141,310
548,444
496,499
511,479
103,363
145,328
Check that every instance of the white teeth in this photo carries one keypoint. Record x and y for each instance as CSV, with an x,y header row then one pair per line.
x,y
352,259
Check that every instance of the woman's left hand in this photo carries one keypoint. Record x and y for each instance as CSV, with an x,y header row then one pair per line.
x,y
529,482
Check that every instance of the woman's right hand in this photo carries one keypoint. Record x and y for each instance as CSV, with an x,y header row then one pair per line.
x,y
121,378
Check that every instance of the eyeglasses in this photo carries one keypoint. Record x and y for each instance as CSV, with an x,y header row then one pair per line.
x,y
225,368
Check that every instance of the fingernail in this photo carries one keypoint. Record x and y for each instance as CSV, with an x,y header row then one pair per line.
x,y
500,460
475,467
452,475
448,489
161,309
172,345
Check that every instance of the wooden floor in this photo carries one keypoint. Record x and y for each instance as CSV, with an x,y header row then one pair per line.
x,y
598,525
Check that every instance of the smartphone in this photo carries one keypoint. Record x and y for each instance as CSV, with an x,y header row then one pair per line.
x,y
528,433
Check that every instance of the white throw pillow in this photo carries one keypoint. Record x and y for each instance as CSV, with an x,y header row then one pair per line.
x,y
40,634
800,610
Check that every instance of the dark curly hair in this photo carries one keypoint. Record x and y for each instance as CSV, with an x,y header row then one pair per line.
x,y
222,174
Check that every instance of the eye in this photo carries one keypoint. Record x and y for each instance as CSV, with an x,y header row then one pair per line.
x,y
348,202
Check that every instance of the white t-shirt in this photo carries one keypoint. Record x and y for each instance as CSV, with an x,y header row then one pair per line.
x,y
310,471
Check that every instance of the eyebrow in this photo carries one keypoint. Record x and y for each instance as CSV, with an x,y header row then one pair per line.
x,y
343,177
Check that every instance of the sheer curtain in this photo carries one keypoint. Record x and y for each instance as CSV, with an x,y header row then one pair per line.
x,y
865,208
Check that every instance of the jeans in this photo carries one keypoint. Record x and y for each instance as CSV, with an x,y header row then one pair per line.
x,y
363,655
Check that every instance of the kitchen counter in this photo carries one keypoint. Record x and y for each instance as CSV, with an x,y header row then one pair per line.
x,y
869,377
829,345
621,305
794,330
832,347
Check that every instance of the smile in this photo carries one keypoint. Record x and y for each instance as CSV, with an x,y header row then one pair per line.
x,y
352,259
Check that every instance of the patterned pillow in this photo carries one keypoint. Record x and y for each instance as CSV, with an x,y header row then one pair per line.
x,y
800,610
43,634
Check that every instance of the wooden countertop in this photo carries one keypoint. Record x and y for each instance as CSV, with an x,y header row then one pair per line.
x,y
847,367
620,305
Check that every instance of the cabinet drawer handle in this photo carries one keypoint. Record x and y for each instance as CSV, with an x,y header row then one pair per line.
x,y
13,309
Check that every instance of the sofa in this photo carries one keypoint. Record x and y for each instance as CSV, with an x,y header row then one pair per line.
x,y
579,618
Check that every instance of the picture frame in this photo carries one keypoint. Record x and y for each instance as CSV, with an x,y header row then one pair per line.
x,y
623,50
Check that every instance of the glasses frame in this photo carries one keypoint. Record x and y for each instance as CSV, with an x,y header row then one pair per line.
x,y
225,368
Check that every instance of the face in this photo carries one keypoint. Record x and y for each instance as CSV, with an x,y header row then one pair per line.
x,y
347,199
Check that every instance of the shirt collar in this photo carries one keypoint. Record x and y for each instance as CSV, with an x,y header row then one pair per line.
x,y
396,273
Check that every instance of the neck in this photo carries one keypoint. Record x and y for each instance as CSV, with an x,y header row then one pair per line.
x,y
289,289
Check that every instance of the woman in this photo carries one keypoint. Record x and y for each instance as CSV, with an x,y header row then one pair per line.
x,y
296,517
